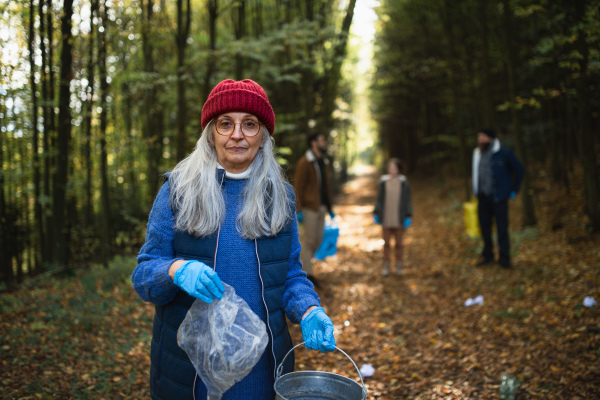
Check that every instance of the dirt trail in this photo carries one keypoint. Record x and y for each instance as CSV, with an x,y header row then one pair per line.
x,y
88,336
415,330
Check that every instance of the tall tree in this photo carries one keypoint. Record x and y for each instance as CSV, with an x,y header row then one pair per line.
x,y
308,73
529,217
587,147
64,135
332,76
153,124
36,134
181,37
454,70
49,133
88,106
486,101
45,139
240,32
104,87
212,35
5,260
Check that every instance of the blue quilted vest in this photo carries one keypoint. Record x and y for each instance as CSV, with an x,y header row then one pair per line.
x,y
172,374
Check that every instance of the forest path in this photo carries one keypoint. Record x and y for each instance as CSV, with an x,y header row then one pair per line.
x,y
87,336
416,331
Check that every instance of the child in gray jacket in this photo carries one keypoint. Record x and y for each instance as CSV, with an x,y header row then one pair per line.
x,y
393,210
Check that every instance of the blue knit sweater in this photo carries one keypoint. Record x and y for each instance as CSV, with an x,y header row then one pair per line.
x,y
236,265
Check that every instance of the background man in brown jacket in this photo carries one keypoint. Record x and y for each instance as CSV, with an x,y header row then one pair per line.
x,y
313,198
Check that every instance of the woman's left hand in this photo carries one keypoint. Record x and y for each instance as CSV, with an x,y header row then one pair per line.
x,y
317,331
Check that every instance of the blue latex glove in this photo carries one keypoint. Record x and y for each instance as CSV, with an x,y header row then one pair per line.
x,y
376,219
331,215
300,216
317,331
199,281
513,195
407,222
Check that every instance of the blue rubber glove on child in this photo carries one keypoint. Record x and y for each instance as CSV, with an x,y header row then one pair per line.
x,y
317,331
407,223
376,219
199,281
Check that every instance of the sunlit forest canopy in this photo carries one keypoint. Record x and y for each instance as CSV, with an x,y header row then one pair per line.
x,y
100,97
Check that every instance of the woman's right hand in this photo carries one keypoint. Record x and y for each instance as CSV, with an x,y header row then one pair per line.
x,y
199,280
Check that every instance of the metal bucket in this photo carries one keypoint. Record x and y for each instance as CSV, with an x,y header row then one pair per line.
x,y
316,385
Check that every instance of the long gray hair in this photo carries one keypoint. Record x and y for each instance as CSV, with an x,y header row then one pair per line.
x,y
198,199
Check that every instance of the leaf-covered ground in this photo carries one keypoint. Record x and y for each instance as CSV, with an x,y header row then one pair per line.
x,y
87,337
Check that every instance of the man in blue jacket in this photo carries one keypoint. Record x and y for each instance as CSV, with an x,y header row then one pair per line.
x,y
497,176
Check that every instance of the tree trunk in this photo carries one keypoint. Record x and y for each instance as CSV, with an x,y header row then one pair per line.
x,y
153,128
23,236
455,85
131,153
45,115
257,25
529,218
334,74
106,214
87,123
212,29
49,137
486,103
5,260
183,31
308,77
240,32
587,148
36,135
64,135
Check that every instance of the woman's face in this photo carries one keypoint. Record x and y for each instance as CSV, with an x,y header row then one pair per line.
x,y
236,151
393,169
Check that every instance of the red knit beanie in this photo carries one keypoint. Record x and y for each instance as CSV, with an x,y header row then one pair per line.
x,y
246,96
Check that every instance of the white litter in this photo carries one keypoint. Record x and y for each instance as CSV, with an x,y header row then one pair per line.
x,y
367,370
589,301
477,300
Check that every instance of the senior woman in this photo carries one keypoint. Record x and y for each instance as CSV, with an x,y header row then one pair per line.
x,y
226,214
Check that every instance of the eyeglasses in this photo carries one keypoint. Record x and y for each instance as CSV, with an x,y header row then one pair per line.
x,y
225,127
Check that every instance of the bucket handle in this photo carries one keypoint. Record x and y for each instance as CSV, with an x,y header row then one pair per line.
x,y
280,368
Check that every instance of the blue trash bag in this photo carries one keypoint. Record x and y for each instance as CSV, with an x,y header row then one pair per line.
x,y
328,245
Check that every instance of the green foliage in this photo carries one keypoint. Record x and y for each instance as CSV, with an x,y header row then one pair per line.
x,y
441,65
291,51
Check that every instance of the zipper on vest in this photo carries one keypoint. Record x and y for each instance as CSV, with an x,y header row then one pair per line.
x,y
218,232
214,269
262,284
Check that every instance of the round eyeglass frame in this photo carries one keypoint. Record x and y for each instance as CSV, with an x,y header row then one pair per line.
x,y
241,127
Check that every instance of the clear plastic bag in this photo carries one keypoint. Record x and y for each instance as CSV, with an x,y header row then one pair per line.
x,y
223,339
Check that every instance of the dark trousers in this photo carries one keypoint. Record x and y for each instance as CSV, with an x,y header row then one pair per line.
x,y
487,209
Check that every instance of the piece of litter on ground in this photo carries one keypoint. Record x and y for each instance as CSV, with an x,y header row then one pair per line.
x,y
367,370
589,301
477,300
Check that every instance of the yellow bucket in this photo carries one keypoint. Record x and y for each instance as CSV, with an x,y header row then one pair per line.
x,y
471,219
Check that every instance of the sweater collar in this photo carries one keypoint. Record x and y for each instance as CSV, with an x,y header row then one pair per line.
x,y
236,177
